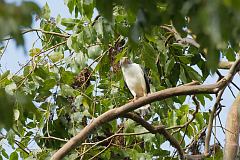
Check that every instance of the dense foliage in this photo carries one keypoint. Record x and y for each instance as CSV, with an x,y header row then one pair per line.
x,y
75,76
15,17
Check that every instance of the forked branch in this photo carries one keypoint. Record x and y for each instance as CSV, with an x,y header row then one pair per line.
x,y
157,96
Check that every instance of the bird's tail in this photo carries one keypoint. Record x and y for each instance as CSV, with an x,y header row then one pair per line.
x,y
143,110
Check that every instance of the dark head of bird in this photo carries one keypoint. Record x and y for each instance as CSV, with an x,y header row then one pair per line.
x,y
124,61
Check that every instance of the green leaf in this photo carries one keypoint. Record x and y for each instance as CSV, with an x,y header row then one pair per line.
x,y
178,46
230,54
183,120
184,109
174,74
6,109
185,59
11,88
43,95
34,51
94,51
169,66
193,75
208,96
106,154
11,137
66,77
200,120
73,156
88,36
120,55
200,97
4,75
70,4
105,8
67,91
41,72
132,153
213,59
120,152
4,153
89,90
88,8
49,84
46,11
78,101
13,156
104,66
69,23
28,109
149,56
232,3
56,56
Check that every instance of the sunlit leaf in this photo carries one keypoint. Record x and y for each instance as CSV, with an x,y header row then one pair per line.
x,y
13,156
46,11
56,56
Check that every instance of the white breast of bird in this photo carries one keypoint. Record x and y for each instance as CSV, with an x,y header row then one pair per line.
x,y
135,79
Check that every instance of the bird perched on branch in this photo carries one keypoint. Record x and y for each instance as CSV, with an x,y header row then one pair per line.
x,y
136,81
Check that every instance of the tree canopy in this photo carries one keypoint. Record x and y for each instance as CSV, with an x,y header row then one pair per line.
x,y
70,99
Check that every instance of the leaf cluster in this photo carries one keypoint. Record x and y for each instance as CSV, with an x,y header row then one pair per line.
x,y
75,76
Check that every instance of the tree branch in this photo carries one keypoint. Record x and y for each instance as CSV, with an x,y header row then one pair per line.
x,y
232,71
158,129
157,96
43,31
232,124
225,65
210,122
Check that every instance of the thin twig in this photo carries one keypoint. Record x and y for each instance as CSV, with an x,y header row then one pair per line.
x,y
22,147
190,121
215,137
50,48
5,47
43,31
55,138
210,122
102,150
157,129
111,137
229,87
235,85
157,96
220,123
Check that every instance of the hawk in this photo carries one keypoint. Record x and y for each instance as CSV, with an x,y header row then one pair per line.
x,y
136,81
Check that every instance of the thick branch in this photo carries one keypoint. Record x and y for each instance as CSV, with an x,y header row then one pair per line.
x,y
157,96
232,71
116,112
232,135
225,65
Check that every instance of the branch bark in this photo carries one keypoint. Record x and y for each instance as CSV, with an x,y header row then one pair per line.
x,y
232,131
157,96
234,68
225,65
